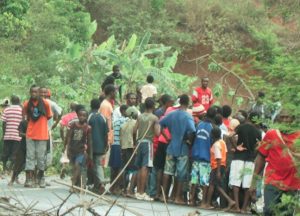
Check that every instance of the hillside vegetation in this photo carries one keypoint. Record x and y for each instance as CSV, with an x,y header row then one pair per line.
x,y
57,43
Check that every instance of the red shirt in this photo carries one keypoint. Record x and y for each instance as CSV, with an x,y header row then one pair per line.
x,y
281,170
203,96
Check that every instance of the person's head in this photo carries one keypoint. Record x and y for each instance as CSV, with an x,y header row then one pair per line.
x,y
95,104
110,91
131,99
116,69
34,92
232,126
211,113
242,116
73,106
254,117
132,112
123,109
260,97
150,103
184,100
218,119
226,111
43,92
166,101
110,80
82,115
150,79
204,82
215,134
79,107
285,117
15,100
218,109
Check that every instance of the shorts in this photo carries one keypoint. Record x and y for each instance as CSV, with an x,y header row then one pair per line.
x,y
241,173
144,156
10,148
200,173
126,154
160,156
178,165
79,159
213,180
115,160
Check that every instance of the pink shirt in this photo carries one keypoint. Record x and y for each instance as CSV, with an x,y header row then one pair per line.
x,y
67,118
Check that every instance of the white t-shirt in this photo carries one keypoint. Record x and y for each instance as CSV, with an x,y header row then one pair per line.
x,y
148,90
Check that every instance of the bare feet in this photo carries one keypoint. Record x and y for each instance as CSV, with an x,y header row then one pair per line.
x,y
179,202
208,207
231,204
202,205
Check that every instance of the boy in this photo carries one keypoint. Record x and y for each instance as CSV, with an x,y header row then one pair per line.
x,y
201,156
218,163
99,132
20,153
127,145
11,117
146,127
148,90
78,142
115,161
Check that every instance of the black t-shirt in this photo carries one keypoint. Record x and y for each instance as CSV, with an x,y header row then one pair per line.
x,y
249,135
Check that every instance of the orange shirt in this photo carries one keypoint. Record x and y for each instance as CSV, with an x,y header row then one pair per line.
x,y
218,151
106,109
38,130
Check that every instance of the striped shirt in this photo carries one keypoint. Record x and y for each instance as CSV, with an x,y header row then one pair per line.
x,y
12,116
117,127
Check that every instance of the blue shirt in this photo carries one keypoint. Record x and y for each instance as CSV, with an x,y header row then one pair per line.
x,y
202,142
180,124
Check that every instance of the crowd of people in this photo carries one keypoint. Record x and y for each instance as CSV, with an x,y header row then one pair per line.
x,y
184,150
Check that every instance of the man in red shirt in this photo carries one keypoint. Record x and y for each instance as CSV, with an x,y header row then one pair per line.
x,y
38,112
203,95
281,175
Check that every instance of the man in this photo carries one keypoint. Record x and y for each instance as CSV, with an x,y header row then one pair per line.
x,y
11,117
130,101
281,175
99,144
203,94
114,78
242,165
145,129
38,112
182,129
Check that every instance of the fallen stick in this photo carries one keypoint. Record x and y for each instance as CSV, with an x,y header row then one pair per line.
x,y
165,201
98,196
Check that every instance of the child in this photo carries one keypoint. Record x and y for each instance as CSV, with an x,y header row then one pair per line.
x,y
146,127
19,164
78,143
115,161
127,145
218,163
